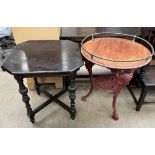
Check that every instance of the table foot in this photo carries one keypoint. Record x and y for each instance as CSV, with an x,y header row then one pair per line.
x,y
138,108
31,117
73,114
115,117
83,98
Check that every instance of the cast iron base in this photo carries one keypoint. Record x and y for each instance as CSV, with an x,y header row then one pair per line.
x,y
110,83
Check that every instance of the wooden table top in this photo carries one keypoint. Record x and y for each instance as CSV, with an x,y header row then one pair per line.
x,y
112,52
43,58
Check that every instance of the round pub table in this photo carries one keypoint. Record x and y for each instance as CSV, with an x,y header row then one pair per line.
x,y
121,53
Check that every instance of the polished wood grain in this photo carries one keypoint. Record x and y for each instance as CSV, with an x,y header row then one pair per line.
x,y
116,49
44,58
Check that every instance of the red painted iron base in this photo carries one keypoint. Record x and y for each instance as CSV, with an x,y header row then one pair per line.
x,y
89,66
110,83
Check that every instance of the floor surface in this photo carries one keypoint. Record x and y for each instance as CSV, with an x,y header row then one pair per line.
x,y
95,113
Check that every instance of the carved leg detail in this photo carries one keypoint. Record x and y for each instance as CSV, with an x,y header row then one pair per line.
x,y
123,79
25,98
89,66
72,96
37,86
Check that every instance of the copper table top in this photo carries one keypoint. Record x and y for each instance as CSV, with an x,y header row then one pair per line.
x,y
117,53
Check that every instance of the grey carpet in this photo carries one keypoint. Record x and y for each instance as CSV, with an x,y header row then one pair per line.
x,y
95,113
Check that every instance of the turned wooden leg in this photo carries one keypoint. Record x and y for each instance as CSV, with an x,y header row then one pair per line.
x,y
141,98
89,66
25,98
140,76
72,88
37,86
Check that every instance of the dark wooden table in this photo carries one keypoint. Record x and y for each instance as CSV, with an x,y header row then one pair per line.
x,y
45,58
